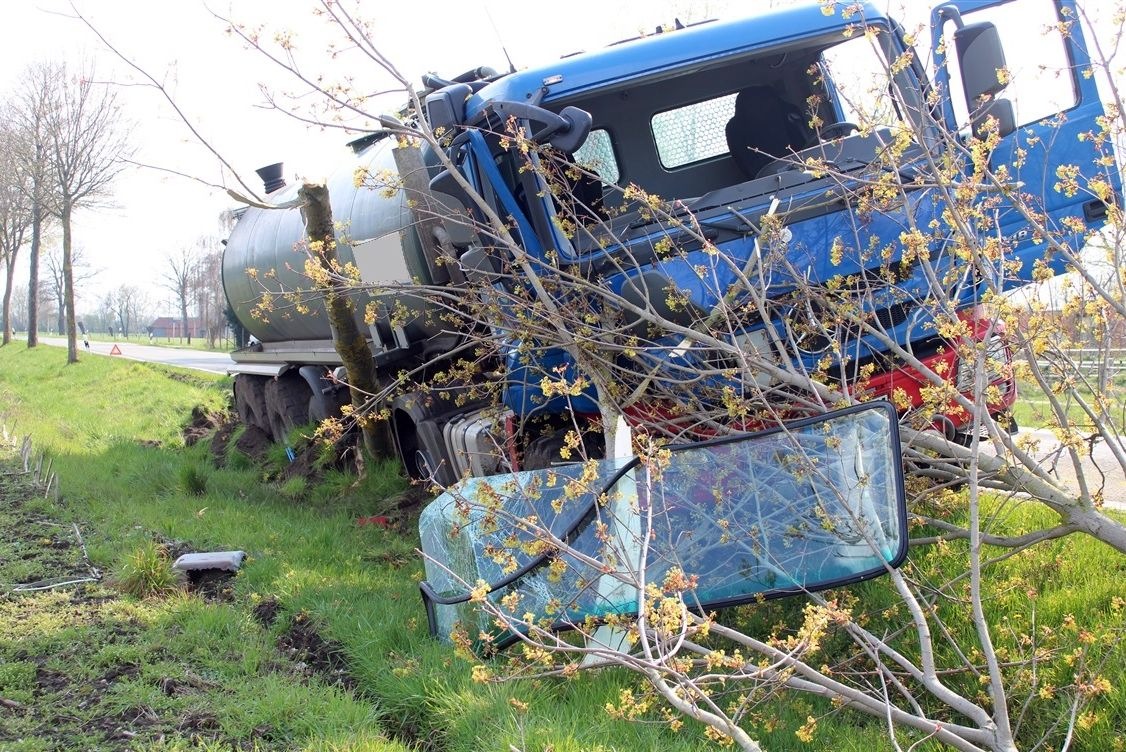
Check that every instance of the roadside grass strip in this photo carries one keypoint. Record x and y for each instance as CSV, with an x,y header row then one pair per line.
x,y
320,641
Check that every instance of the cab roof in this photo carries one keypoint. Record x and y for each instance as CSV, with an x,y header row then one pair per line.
x,y
653,55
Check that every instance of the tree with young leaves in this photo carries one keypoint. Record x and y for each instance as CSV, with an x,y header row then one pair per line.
x,y
926,658
85,142
895,665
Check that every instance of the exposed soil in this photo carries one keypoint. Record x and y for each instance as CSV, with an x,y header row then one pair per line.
x,y
266,612
220,440
254,442
70,699
203,423
313,654
221,428
43,547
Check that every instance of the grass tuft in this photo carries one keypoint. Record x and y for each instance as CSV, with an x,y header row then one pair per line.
x,y
148,572
193,479
294,488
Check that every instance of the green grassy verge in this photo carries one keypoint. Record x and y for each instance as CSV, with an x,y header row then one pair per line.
x,y
346,664
1033,409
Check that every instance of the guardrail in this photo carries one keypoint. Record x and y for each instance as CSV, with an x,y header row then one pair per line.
x,y
1103,366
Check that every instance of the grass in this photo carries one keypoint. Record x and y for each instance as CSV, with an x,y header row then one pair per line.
x,y
221,672
147,571
1033,409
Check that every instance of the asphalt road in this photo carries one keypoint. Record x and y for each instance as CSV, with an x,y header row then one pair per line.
x,y
199,360
1098,467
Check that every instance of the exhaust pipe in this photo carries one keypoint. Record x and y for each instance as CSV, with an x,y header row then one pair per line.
x,y
271,176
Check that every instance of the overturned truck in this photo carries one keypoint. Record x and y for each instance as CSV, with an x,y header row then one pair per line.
x,y
760,137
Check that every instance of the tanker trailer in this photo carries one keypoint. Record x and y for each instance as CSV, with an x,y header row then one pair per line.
x,y
291,374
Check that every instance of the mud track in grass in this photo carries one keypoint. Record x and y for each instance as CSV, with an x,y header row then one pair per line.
x,y
84,668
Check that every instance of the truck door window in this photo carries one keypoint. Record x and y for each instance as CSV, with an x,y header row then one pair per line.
x,y
597,155
1041,83
861,78
693,133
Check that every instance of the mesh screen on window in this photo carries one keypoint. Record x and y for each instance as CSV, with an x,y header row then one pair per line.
x,y
597,155
693,133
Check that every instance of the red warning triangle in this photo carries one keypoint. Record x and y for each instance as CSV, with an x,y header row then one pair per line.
x,y
115,350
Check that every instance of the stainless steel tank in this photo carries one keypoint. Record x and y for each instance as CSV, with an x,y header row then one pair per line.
x,y
265,258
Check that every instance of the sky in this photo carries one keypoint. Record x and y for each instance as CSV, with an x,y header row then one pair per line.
x,y
219,83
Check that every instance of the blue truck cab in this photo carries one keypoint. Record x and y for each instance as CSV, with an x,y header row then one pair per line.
x,y
795,149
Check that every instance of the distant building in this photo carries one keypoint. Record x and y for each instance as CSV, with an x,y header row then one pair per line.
x,y
173,328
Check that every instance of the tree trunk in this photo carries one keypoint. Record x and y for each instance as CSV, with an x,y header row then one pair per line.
x,y
350,343
33,275
9,280
68,287
184,318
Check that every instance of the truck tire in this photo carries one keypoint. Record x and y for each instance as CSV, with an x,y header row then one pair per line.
x,y
250,401
287,405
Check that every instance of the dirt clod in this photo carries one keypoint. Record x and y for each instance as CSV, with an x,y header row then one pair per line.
x,y
266,612
314,654
203,422
254,442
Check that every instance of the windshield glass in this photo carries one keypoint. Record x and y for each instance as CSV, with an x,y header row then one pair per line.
x,y
801,508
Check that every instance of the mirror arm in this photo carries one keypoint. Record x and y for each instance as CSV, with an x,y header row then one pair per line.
x,y
952,13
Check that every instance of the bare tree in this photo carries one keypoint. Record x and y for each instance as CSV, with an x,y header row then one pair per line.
x,y
19,308
210,300
179,278
15,213
83,272
35,95
86,142
128,306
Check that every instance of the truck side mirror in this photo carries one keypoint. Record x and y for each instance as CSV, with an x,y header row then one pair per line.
x,y
999,109
445,108
456,219
569,138
980,59
565,131
445,184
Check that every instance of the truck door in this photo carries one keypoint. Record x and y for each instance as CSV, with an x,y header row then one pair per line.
x,y
1048,104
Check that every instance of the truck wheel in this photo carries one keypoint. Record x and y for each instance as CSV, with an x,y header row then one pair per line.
x,y
287,405
250,400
